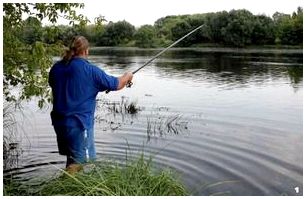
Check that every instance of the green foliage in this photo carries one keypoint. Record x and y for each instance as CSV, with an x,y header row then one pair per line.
x,y
289,28
179,30
165,24
145,37
239,29
135,178
235,28
215,23
28,47
183,27
31,30
28,50
117,34
264,30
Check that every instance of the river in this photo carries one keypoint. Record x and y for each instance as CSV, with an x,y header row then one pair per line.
x,y
228,121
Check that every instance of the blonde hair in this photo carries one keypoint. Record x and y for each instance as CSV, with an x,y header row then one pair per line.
x,y
76,47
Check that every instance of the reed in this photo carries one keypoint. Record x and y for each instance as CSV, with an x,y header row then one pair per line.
x,y
11,148
122,107
163,125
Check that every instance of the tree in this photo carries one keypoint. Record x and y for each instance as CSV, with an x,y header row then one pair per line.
x,y
215,23
264,30
298,25
165,24
32,30
179,30
118,33
184,27
91,32
145,36
289,28
26,60
239,29
281,23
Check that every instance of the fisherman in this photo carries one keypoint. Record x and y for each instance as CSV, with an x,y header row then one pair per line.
x,y
75,83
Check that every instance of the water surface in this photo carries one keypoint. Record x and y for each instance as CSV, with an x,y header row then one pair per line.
x,y
239,119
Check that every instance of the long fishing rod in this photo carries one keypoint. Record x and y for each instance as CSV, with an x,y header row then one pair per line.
x,y
129,84
161,52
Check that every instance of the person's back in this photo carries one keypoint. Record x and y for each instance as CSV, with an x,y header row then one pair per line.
x,y
75,83
75,86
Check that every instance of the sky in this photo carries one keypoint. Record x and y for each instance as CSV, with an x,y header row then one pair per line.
x,y
140,12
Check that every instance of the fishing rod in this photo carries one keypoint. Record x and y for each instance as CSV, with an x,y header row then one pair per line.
x,y
129,84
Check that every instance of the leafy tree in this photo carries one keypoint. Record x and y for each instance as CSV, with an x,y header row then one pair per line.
x,y
289,28
145,37
281,23
182,28
239,29
32,30
264,30
91,31
26,62
28,47
165,24
203,35
67,33
51,34
118,33
179,30
298,25
215,23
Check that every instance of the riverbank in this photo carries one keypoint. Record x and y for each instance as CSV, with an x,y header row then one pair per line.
x,y
107,178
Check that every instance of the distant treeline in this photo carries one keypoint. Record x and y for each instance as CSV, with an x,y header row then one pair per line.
x,y
237,28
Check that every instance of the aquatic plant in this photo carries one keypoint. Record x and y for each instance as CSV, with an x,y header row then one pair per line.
x,y
11,149
162,125
108,112
123,107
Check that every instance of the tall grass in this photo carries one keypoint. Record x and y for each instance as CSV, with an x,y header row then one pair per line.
x,y
11,149
134,178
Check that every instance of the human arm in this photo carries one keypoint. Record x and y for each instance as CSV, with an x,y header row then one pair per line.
x,y
107,82
124,80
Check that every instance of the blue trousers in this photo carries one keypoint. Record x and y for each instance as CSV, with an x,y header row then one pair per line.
x,y
76,143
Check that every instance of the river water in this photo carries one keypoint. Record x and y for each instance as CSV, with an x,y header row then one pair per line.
x,y
228,121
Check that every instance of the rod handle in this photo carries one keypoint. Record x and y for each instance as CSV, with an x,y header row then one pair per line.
x,y
128,85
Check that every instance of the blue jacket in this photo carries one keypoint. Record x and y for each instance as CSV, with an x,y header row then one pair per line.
x,y
74,87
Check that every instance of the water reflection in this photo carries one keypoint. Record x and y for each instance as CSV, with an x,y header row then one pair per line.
x,y
240,68
296,75
228,68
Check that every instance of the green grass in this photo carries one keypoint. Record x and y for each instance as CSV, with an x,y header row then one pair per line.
x,y
134,178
